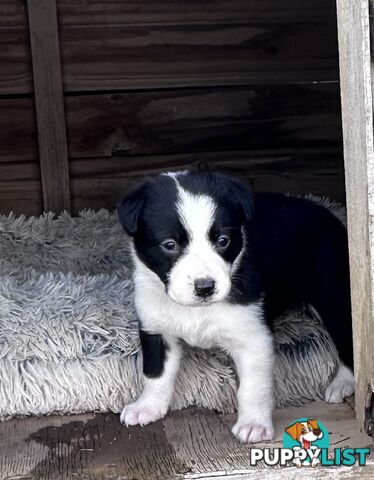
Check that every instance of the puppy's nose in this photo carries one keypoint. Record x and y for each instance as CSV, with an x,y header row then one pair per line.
x,y
204,286
317,432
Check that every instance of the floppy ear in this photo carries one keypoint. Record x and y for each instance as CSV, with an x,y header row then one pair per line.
x,y
314,423
245,197
129,209
292,430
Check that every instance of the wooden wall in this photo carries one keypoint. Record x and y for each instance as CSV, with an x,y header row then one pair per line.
x,y
250,87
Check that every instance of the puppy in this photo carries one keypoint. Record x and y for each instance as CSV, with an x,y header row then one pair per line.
x,y
214,266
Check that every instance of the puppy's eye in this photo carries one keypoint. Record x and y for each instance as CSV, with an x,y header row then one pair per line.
x,y
223,241
169,245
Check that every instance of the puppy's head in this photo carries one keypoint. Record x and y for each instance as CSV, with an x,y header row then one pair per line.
x,y
189,229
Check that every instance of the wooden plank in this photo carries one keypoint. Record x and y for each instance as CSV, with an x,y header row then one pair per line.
x,y
101,183
181,121
28,170
21,196
293,473
189,444
49,104
110,57
134,45
178,121
15,56
357,114
13,13
130,12
15,61
18,132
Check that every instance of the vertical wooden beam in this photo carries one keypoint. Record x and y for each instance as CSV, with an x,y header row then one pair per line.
x,y
49,104
357,115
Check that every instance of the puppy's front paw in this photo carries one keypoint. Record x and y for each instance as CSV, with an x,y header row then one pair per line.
x,y
142,413
252,432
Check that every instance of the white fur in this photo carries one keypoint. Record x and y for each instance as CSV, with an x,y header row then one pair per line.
x,y
175,174
200,260
342,386
238,329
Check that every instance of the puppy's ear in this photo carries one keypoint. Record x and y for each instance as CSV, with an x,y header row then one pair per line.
x,y
244,197
129,209
293,431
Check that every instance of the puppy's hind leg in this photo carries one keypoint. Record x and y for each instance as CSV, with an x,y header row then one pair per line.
x,y
161,359
342,386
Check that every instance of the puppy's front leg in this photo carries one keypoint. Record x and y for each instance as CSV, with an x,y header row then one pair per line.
x,y
255,394
161,359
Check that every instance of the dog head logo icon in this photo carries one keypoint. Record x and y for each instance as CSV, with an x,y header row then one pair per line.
x,y
309,435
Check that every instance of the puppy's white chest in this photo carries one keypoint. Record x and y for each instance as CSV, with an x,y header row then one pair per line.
x,y
198,326
219,324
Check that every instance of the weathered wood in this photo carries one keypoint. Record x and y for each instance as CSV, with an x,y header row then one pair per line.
x,y
102,182
189,444
21,196
13,13
49,104
357,113
293,473
203,120
134,45
15,56
181,121
15,61
114,137
130,12
18,131
163,56
10,171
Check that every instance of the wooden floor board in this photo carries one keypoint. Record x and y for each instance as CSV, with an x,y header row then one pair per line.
x,y
190,444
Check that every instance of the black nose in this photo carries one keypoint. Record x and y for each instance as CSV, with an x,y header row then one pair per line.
x,y
204,286
317,432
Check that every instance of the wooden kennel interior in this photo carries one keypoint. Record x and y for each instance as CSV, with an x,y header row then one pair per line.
x,y
96,94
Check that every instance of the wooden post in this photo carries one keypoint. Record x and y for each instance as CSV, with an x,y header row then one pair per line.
x,y
357,114
49,103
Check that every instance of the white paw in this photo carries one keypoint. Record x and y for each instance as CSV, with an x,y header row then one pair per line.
x,y
342,386
252,432
142,413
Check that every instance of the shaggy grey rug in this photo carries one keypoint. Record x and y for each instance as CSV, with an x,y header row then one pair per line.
x,y
69,334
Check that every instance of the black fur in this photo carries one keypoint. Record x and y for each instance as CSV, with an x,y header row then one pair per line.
x,y
154,350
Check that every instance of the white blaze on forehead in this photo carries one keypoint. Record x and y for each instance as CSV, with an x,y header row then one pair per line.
x,y
196,212
175,175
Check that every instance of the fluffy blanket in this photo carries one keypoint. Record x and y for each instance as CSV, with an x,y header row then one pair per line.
x,y
69,333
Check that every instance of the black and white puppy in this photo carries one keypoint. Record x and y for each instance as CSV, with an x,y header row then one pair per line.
x,y
214,265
